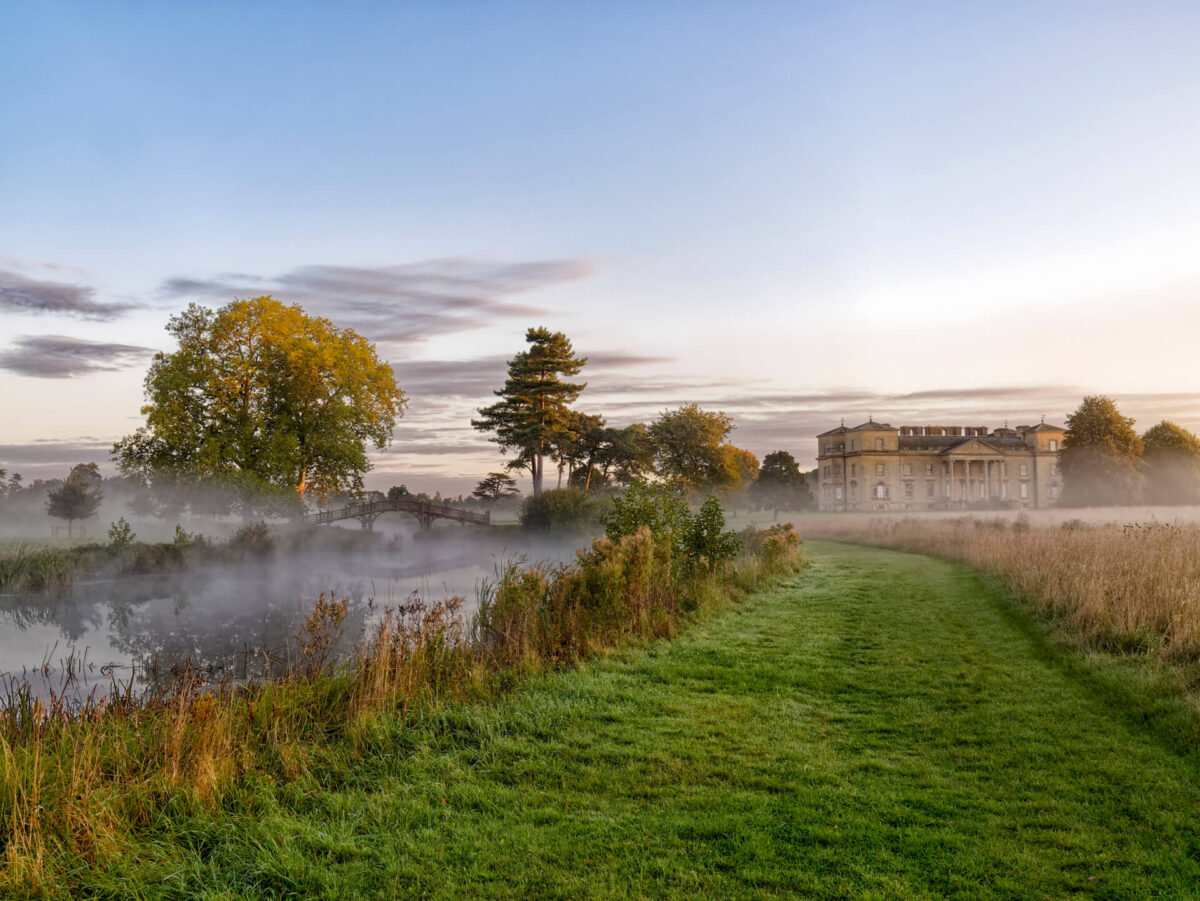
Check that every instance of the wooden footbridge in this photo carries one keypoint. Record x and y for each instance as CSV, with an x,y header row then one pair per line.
x,y
425,512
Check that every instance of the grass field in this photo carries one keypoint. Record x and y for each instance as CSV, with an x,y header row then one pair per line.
x,y
883,726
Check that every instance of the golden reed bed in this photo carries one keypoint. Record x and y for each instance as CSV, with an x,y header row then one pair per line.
x,y
1124,587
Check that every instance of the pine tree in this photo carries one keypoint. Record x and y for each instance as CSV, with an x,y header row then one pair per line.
x,y
533,415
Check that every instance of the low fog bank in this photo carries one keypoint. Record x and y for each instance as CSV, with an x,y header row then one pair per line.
x,y
238,619
1047,518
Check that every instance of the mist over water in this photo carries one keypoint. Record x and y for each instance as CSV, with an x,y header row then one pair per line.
x,y
239,620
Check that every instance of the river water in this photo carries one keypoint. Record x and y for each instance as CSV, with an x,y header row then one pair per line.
x,y
234,621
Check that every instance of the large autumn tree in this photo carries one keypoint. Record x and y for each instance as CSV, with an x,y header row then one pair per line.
x,y
690,451
260,395
1101,456
533,416
1172,460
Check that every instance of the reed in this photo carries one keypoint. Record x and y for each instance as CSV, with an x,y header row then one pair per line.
x,y
29,568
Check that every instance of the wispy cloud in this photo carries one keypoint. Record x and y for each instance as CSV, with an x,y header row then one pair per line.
x,y
50,459
60,357
404,303
479,377
21,294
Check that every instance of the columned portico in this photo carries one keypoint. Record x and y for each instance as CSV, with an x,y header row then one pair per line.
x,y
969,480
874,466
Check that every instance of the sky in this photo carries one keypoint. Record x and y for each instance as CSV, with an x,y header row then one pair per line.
x,y
950,213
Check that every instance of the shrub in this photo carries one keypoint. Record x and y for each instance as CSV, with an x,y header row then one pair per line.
x,y
251,540
777,544
705,542
183,539
559,509
660,508
120,534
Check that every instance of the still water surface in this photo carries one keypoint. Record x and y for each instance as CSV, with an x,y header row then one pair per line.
x,y
227,622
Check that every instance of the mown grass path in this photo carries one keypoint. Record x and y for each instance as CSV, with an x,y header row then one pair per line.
x,y
883,726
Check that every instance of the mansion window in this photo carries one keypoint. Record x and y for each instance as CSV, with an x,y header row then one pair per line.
x,y
928,469
908,469
1053,444
1024,471
878,444
881,492
908,489
930,487
1024,489
878,469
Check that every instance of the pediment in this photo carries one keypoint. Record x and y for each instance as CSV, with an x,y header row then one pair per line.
x,y
972,447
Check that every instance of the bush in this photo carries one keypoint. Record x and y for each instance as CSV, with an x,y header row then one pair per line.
x,y
779,543
182,538
120,534
695,540
705,542
251,540
659,508
560,509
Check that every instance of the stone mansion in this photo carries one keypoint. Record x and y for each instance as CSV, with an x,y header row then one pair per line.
x,y
876,466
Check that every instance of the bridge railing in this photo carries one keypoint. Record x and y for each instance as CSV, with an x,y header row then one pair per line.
x,y
425,511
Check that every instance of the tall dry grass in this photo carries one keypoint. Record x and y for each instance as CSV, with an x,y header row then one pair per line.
x,y
1134,587
76,775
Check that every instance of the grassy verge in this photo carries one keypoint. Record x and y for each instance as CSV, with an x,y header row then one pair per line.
x,y
77,780
1129,589
887,726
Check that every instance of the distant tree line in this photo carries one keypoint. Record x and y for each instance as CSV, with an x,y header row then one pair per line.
x,y
533,422
262,407
1105,462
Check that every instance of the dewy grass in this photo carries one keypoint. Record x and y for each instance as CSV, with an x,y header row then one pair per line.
x,y
1132,588
886,726
78,777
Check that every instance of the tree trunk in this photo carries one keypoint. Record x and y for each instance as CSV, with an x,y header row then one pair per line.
x,y
537,474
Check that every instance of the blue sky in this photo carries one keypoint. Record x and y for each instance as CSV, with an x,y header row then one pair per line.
x,y
792,212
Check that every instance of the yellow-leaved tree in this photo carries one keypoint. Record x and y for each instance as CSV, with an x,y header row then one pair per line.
x,y
262,397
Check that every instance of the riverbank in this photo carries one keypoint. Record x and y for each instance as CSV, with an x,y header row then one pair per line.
x,y
80,777
886,725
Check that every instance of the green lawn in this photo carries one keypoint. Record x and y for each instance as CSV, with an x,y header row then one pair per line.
x,y
883,726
